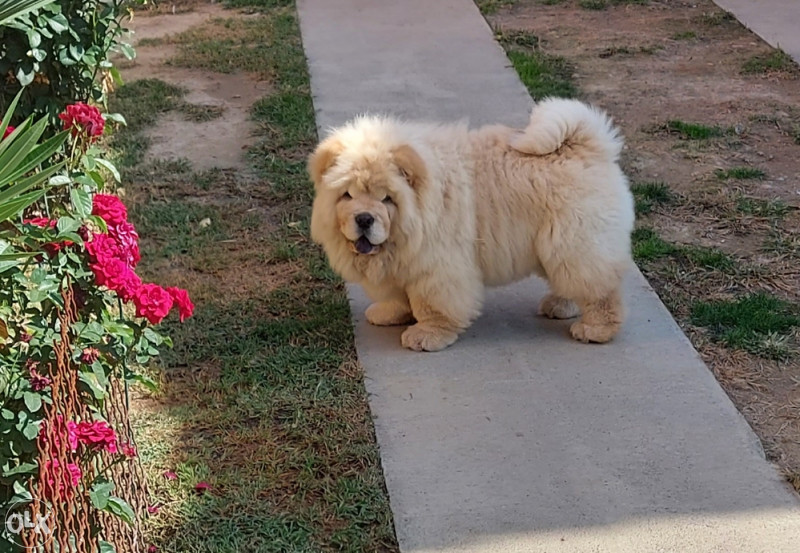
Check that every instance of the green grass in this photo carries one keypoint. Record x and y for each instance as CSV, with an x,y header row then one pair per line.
x,y
759,323
262,395
593,4
491,7
628,51
650,194
684,35
544,74
648,247
694,131
775,61
770,209
717,18
740,173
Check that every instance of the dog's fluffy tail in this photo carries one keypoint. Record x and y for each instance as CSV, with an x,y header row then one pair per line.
x,y
556,122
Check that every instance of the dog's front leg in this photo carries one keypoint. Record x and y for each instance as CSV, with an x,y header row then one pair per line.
x,y
442,313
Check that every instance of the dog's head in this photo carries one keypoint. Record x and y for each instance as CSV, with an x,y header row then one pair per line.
x,y
365,191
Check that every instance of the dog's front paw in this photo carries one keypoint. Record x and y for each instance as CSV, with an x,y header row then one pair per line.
x,y
555,307
388,313
598,334
421,337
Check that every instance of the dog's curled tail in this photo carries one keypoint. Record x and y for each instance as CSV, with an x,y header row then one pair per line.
x,y
556,122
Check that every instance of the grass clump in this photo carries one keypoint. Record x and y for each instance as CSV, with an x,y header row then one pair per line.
x,y
741,173
593,4
717,18
775,61
684,35
694,131
758,323
756,207
650,194
544,74
491,7
649,246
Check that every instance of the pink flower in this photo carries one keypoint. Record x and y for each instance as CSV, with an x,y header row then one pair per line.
x,y
181,299
25,338
153,509
83,118
170,475
72,435
75,473
152,302
128,450
117,276
9,130
127,239
152,549
90,355
38,382
97,435
202,487
110,208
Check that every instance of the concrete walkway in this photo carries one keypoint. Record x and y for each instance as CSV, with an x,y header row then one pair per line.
x,y
518,439
776,21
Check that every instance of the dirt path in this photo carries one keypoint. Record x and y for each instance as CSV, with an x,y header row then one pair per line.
x,y
737,191
220,141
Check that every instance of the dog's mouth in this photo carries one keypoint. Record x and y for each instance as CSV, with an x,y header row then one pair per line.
x,y
364,246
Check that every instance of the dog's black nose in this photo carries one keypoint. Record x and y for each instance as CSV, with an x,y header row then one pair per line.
x,y
364,220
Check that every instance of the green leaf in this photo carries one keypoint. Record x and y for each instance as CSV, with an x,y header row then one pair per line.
x,y
22,468
20,492
38,54
106,547
101,493
12,9
127,50
34,38
90,379
25,77
145,381
81,202
59,180
67,224
31,430
118,507
116,117
33,401
58,23
110,166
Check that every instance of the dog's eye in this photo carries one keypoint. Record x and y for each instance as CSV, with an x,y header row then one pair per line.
x,y
347,196
387,200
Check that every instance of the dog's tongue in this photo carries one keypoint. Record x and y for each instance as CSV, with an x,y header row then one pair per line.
x,y
363,245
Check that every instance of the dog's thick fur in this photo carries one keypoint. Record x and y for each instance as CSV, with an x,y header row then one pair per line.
x,y
424,215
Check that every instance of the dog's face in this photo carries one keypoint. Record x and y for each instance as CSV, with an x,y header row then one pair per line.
x,y
363,197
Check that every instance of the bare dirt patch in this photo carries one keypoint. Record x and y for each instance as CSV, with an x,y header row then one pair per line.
x,y
691,62
218,140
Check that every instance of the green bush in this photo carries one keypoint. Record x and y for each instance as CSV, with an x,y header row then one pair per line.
x,y
59,54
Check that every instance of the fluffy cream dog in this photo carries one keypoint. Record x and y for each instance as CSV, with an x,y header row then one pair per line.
x,y
423,216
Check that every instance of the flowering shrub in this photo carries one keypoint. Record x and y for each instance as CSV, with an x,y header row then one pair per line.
x,y
73,262
60,53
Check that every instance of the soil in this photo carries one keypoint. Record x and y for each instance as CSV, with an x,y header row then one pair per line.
x,y
675,60
217,143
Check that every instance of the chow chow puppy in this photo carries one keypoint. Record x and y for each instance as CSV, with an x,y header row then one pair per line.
x,y
424,215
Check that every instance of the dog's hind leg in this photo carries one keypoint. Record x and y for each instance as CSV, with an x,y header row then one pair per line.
x,y
601,319
556,307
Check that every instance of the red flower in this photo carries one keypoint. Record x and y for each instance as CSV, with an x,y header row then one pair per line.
x,y
103,248
152,549
9,130
38,382
90,355
152,302
52,472
110,208
118,277
97,435
83,118
202,487
43,222
128,450
153,509
181,299
127,239
170,475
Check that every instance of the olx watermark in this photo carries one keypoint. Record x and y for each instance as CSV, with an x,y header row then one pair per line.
x,y
25,517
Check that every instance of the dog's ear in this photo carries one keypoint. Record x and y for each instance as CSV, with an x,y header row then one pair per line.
x,y
410,165
323,158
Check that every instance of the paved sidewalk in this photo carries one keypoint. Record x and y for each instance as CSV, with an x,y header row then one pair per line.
x,y
776,21
518,439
